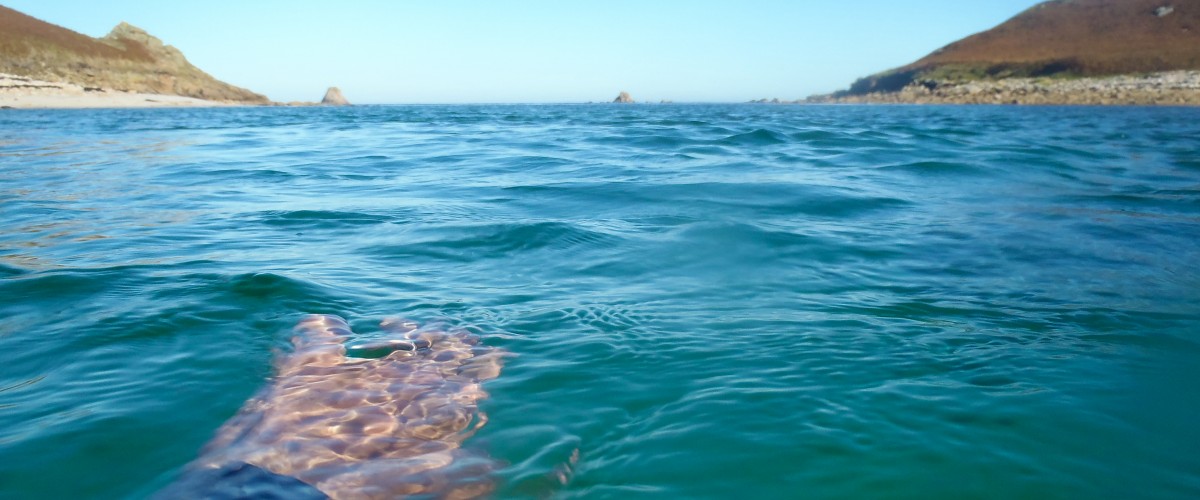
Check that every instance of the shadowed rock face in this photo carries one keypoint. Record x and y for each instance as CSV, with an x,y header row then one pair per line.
x,y
384,425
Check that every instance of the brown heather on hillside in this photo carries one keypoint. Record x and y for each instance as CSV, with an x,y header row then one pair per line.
x,y
1063,38
127,59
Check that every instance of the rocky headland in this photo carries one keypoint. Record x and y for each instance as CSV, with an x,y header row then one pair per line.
x,y
128,60
1086,52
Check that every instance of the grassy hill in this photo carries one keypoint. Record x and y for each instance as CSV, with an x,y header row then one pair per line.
x,y
1065,38
128,58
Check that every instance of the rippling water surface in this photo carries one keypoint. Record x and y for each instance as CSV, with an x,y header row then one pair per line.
x,y
701,301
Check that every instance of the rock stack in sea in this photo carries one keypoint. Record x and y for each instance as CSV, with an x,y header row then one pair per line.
x,y
624,98
334,97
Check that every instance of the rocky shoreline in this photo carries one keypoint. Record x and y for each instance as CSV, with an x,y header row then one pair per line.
x,y
1175,88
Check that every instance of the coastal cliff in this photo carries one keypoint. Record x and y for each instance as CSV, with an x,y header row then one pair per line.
x,y
127,59
1057,52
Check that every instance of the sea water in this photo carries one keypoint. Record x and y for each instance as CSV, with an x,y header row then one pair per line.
x,y
701,301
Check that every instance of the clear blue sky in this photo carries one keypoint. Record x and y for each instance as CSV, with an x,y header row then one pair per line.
x,y
448,51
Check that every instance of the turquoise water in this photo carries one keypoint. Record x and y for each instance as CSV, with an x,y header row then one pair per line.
x,y
702,301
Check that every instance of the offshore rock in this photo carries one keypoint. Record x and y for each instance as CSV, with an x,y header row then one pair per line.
x,y
624,98
334,97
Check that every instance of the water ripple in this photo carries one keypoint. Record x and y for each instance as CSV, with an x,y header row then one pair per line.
x,y
703,300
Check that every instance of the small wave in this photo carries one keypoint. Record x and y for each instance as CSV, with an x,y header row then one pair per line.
x,y
7,271
268,286
730,234
536,162
781,199
1189,163
263,174
738,241
510,237
837,141
936,167
318,219
849,206
680,123
648,139
707,150
759,137
59,287
660,141
495,241
234,144
449,158
817,135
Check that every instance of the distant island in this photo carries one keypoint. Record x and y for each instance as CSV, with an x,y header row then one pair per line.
x,y
1058,52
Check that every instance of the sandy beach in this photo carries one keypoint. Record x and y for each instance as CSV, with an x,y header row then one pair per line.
x,y
21,92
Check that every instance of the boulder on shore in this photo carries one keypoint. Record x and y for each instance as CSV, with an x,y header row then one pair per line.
x,y
624,98
334,97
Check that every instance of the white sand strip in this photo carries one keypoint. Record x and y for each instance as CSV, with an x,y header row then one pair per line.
x,y
21,92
